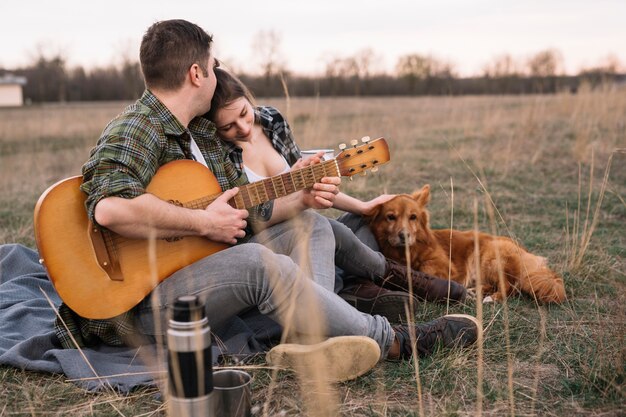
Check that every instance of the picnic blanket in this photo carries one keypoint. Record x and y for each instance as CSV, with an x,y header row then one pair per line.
x,y
28,341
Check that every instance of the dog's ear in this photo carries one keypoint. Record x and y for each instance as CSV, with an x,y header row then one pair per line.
x,y
422,196
372,214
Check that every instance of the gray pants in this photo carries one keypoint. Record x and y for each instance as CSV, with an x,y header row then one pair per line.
x,y
273,274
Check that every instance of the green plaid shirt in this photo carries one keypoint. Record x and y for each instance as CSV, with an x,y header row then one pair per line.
x,y
132,147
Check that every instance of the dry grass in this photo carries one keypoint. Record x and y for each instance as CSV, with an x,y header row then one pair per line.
x,y
548,170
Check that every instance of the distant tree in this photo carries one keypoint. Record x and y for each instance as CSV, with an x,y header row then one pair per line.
x,y
606,72
544,67
547,63
351,74
130,69
426,70
502,66
266,46
47,77
608,65
502,75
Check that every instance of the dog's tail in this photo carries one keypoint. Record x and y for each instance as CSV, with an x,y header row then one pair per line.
x,y
546,285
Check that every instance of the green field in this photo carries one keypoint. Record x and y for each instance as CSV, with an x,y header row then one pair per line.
x,y
549,171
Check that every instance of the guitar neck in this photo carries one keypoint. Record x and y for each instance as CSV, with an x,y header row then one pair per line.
x,y
259,192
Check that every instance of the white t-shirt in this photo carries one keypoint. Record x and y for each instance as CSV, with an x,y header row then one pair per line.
x,y
195,151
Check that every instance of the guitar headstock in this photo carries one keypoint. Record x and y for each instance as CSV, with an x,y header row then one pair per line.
x,y
360,158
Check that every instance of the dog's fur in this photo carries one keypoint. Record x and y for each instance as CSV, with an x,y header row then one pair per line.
x,y
404,221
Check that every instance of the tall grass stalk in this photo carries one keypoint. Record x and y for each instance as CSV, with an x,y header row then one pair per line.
x,y
479,316
582,238
410,314
505,305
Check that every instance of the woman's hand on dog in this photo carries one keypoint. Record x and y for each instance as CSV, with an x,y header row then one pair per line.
x,y
369,206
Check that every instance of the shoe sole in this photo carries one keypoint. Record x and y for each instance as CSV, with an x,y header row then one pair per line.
x,y
336,359
465,316
471,318
390,306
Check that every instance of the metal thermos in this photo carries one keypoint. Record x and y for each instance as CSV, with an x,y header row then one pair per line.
x,y
190,371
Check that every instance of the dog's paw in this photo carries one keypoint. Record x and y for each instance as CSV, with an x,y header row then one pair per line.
x,y
471,293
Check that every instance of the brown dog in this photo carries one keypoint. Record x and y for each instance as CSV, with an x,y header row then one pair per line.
x,y
404,221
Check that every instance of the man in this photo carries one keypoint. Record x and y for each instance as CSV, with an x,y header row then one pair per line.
x,y
164,125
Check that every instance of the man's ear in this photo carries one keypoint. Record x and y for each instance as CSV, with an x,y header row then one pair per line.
x,y
422,196
194,74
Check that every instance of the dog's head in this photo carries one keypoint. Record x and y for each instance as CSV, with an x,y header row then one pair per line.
x,y
401,221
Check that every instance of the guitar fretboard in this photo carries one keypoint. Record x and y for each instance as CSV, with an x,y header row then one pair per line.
x,y
259,192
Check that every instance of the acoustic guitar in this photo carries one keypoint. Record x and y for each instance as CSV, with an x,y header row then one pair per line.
x,y
100,274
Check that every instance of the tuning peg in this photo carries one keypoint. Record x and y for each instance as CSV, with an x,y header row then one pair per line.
x,y
363,173
365,139
342,146
374,169
354,142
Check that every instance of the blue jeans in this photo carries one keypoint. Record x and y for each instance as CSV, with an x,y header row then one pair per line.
x,y
356,250
264,275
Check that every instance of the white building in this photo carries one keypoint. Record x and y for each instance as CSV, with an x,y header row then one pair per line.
x,y
11,90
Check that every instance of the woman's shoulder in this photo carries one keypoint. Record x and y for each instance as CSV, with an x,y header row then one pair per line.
x,y
270,113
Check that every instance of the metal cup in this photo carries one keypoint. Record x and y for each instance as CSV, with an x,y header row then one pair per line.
x,y
328,153
232,393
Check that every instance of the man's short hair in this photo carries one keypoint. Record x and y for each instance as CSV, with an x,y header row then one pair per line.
x,y
169,48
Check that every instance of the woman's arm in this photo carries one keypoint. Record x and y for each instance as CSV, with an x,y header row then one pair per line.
x,y
353,205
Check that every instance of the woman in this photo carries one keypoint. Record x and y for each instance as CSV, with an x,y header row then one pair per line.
x,y
259,142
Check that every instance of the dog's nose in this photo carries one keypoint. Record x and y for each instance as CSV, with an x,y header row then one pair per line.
x,y
403,236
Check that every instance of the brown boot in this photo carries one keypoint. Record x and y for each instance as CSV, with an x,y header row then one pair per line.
x,y
369,298
424,286
458,330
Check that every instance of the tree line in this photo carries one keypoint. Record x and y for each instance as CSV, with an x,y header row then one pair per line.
x,y
50,79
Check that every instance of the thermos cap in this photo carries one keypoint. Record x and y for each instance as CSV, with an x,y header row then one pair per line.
x,y
188,308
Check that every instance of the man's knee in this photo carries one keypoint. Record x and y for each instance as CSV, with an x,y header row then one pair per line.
x,y
315,222
249,256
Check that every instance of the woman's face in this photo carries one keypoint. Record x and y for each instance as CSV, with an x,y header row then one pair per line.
x,y
234,121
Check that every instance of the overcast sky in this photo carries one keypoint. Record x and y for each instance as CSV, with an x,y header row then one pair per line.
x,y
468,33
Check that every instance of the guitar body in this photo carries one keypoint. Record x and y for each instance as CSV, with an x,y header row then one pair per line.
x,y
73,254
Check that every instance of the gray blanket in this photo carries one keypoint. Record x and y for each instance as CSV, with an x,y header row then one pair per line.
x,y
27,339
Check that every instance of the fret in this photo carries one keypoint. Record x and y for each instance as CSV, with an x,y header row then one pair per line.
x,y
270,190
256,199
286,181
245,195
261,192
238,201
299,182
320,172
280,191
310,176
323,166
331,168
250,195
